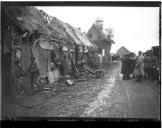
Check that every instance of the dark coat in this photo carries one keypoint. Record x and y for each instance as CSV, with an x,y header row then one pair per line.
x,y
33,69
127,66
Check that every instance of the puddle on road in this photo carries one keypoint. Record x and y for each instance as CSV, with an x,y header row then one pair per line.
x,y
101,98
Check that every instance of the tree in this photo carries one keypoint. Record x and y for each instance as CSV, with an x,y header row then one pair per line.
x,y
109,33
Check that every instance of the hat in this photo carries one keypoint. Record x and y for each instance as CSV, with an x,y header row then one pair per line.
x,y
140,52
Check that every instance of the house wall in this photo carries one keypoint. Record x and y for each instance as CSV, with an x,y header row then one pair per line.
x,y
43,59
122,51
26,54
101,43
6,61
94,33
107,47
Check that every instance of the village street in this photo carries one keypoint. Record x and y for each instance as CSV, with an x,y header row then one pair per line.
x,y
106,97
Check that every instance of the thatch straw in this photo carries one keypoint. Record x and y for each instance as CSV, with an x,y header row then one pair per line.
x,y
27,18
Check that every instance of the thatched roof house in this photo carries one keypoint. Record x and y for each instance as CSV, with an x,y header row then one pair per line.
x,y
19,20
68,32
44,33
27,18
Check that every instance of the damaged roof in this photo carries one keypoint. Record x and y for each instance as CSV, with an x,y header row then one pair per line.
x,y
82,37
27,18
69,29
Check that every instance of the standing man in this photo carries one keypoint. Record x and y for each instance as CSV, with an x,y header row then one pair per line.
x,y
123,69
20,77
147,67
126,66
132,64
153,65
34,72
140,66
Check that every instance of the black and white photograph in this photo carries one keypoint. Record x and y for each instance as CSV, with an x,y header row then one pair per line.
x,y
80,61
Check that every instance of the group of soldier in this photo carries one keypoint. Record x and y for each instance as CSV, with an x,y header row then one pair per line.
x,y
143,66
20,75
94,60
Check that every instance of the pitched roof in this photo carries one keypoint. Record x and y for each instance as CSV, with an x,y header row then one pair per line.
x,y
82,37
121,51
56,27
31,19
76,35
27,18
94,45
100,31
70,31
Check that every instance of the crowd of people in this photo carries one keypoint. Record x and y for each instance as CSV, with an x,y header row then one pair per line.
x,y
143,66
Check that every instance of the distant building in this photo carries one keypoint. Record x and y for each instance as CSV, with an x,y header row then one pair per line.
x,y
121,51
101,40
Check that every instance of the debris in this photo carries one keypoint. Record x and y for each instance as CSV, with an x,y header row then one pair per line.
x,y
90,71
99,74
69,82
46,88
80,80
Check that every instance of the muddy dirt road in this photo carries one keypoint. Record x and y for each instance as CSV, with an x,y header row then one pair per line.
x,y
107,97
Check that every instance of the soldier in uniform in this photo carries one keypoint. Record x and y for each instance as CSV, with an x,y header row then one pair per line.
x,y
34,73
147,66
153,65
126,67
20,77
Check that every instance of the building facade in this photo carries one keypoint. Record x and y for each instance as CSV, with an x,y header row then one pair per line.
x,y
122,51
101,40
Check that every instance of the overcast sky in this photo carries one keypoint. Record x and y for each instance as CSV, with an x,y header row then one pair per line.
x,y
136,28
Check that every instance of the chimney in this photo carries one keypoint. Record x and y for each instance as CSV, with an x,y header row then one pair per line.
x,y
99,23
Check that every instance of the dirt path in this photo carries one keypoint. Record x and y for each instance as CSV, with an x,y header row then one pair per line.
x,y
107,97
